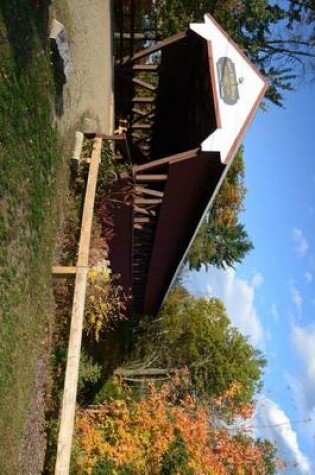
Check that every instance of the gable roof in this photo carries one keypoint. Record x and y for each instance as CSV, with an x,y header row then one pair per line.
x,y
248,85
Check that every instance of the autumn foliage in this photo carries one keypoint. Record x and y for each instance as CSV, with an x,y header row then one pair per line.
x,y
105,303
167,431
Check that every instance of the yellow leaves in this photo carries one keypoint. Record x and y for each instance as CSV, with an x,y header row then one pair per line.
x,y
92,275
99,274
105,303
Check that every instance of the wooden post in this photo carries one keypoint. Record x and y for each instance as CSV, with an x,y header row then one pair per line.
x,y
74,349
64,272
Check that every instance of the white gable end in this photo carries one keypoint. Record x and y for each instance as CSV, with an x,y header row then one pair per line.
x,y
239,88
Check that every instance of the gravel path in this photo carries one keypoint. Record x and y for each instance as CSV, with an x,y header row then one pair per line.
x,y
89,90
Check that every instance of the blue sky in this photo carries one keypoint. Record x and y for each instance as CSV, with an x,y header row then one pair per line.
x,y
271,296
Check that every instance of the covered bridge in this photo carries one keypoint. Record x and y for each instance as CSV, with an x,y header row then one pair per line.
x,y
187,101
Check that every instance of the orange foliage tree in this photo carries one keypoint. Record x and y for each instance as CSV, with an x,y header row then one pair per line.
x,y
168,431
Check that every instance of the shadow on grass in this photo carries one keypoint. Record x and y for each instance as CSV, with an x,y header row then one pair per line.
x,y
23,20
27,30
58,77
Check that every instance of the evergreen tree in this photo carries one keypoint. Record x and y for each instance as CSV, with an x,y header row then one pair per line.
x,y
222,241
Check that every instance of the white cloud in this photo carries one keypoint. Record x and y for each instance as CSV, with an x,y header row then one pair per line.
x,y
238,295
302,383
301,243
257,280
274,424
304,344
296,298
275,312
308,277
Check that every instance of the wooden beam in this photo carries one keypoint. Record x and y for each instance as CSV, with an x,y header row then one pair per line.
x,y
138,138
146,136
148,114
145,67
74,349
143,99
137,226
138,111
112,137
145,84
164,161
157,46
141,178
142,219
148,201
136,36
64,272
147,212
139,210
141,125
148,191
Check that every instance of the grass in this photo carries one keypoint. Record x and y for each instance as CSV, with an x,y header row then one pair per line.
x,y
29,161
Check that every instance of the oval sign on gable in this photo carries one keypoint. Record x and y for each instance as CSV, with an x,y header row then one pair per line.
x,y
228,81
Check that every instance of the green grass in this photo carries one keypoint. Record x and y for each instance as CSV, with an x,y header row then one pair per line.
x,y
29,161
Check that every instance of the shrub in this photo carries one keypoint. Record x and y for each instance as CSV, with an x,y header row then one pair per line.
x,y
167,432
105,303
111,390
89,372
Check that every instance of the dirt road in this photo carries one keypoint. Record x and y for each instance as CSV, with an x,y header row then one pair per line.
x,y
89,90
